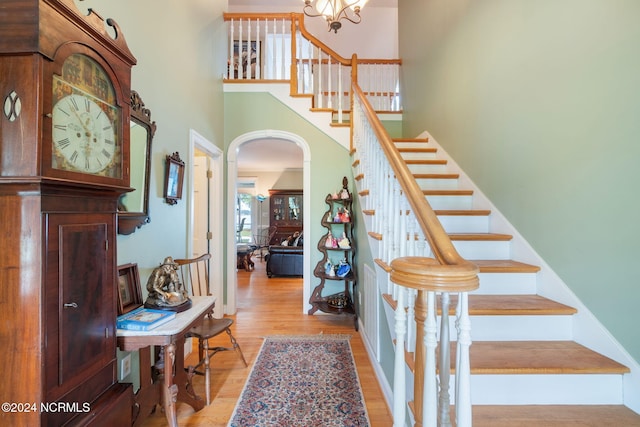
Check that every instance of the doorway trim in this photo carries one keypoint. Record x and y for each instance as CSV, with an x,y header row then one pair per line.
x,y
232,176
216,212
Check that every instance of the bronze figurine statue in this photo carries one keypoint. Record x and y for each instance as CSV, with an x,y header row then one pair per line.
x,y
166,291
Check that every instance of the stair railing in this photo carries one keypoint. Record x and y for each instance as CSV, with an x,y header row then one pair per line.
x,y
276,47
423,264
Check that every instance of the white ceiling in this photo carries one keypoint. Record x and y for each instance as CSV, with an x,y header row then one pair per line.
x,y
268,155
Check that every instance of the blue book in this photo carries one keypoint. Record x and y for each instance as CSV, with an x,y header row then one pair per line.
x,y
144,319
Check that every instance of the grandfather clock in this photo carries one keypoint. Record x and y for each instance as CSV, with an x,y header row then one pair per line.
x,y
65,82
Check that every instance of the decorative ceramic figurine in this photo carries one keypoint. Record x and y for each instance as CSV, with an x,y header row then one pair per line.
x,y
328,269
344,242
331,241
338,216
344,194
345,217
343,268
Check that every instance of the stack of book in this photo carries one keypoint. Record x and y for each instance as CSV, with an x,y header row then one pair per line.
x,y
144,319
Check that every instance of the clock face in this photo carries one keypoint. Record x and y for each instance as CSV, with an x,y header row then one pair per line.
x,y
86,122
83,134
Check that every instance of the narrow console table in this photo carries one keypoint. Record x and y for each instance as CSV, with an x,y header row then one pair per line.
x,y
176,386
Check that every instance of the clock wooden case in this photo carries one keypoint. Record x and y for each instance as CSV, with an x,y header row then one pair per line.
x,y
64,163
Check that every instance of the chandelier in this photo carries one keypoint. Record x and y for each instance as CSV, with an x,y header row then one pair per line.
x,y
334,11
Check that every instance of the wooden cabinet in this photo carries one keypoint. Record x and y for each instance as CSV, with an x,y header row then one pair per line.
x,y
285,212
64,163
337,265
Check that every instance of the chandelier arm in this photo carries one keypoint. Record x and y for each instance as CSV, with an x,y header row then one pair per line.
x,y
333,20
311,15
349,19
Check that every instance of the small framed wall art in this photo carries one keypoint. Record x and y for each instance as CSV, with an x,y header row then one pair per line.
x,y
174,178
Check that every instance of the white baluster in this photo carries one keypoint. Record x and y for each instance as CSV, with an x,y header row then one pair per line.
x,y
274,56
399,381
430,394
339,93
445,363
319,96
311,73
411,320
283,67
463,368
258,50
240,68
231,60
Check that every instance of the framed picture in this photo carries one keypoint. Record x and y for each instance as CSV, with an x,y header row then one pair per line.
x,y
245,58
129,291
174,178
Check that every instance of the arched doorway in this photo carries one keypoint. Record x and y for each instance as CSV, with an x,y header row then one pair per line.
x,y
232,176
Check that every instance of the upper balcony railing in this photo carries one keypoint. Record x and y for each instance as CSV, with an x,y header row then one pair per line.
x,y
272,47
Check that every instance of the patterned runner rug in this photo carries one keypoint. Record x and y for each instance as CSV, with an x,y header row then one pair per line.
x,y
302,381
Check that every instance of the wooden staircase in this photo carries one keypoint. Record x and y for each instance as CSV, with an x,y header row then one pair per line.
x,y
526,369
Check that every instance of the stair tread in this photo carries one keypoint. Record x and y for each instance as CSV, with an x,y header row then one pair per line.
x,y
447,192
509,305
462,212
505,305
410,139
538,357
418,150
554,416
436,175
479,236
504,266
426,162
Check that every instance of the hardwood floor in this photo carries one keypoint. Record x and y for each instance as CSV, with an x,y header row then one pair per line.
x,y
267,307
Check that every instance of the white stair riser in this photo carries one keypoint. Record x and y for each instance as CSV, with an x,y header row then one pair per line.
x,y
410,155
507,284
517,328
483,249
565,389
409,144
437,183
450,202
427,168
464,224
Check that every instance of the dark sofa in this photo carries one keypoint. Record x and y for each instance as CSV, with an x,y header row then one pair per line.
x,y
284,261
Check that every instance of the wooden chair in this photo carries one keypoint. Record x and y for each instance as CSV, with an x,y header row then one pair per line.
x,y
195,276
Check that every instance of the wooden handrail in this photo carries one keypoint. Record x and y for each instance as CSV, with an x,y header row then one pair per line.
x,y
443,249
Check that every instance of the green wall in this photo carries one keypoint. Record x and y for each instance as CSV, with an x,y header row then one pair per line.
x,y
181,55
330,161
539,102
